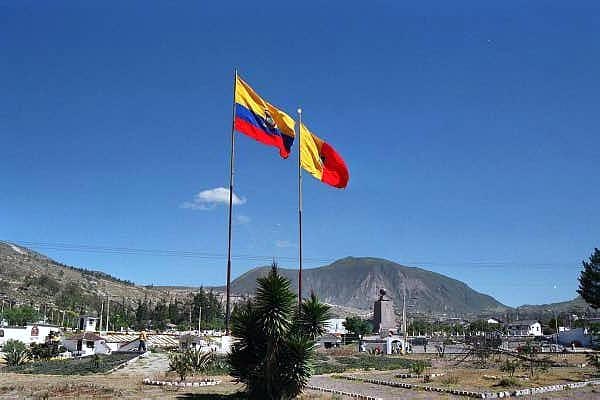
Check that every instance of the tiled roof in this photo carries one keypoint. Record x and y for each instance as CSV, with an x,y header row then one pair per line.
x,y
85,336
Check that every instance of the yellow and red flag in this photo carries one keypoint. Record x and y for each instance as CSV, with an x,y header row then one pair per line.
x,y
261,120
321,160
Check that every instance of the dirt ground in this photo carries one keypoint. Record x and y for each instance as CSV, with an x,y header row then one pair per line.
x,y
126,384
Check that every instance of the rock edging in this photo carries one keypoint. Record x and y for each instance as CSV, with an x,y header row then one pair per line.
x,y
342,392
479,395
207,382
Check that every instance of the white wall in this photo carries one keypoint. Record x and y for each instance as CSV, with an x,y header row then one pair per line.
x,y
24,333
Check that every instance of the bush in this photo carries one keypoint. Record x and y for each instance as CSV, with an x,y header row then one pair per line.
x,y
450,380
418,367
508,382
180,363
509,366
594,360
45,351
15,352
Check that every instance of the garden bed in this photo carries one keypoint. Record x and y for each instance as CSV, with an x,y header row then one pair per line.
x,y
364,362
74,366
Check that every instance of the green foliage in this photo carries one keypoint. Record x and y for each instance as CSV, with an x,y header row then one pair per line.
x,y
75,366
508,382
357,325
312,317
180,363
589,280
480,326
44,351
594,360
509,366
418,367
20,315
326,365
15,352
274,346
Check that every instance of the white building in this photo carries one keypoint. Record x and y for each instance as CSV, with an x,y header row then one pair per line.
x,y
335,326
28,334
493,321
88,323
86,344
524,328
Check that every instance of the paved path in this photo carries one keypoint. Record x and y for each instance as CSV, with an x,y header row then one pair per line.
x,y
147,365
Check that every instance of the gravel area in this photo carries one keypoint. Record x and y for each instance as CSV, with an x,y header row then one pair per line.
x,y
384,392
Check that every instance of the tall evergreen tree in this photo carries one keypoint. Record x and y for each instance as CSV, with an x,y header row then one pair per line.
x,y
589,280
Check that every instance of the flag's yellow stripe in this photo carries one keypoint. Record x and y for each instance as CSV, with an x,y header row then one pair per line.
x,y
247,97
310,158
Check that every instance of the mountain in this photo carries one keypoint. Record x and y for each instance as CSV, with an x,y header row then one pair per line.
x,y
27,277
355,282
577,306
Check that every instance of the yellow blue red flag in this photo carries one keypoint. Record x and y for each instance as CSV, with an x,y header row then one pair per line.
x,y
261,120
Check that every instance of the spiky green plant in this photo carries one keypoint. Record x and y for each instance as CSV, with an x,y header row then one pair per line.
x,y
274,341
15,352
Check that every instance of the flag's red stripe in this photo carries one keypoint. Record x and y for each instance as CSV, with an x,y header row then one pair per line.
x,y
335,171
260,135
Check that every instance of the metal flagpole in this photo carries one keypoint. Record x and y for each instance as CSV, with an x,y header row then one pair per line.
x,y
228,295
299,208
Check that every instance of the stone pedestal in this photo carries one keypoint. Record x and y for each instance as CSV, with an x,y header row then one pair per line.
x,y
383,315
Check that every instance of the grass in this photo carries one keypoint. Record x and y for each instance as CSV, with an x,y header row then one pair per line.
x,y
74,366
359,362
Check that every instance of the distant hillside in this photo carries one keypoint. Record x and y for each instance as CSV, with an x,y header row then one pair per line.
x,y
27,277
577,305
355,282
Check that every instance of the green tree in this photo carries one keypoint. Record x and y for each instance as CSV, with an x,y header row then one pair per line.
x,y
21,315
274,345
480,326
589,280
357,325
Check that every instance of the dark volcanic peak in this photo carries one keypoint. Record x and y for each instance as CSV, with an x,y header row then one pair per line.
x,y
355,282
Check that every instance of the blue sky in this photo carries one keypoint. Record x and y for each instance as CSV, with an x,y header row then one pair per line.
x,y
470,131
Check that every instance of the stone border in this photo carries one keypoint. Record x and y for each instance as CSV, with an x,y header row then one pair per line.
x,y
343,393
406,376
132,360
208,382
479,395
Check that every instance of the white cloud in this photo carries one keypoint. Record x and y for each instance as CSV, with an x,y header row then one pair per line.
x,y
242,219
209,199
284,244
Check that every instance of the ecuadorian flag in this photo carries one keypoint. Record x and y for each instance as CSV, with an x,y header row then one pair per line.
x,y
262,121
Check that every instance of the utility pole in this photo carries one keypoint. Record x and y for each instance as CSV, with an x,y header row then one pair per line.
x,y
107,312
101,313
199,317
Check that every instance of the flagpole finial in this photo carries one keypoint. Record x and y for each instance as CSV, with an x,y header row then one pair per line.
x,y
299,110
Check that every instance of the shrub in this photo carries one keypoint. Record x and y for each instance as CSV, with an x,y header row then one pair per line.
x,y
594,360
44,351
15,352
418,367
180,363
508,382
509,366
450,380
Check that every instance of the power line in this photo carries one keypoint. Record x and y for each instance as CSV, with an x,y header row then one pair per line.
x,y
212,256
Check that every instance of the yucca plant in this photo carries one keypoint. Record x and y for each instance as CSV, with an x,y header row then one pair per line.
x,y
274,340
15,352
